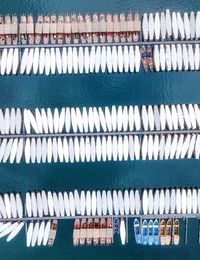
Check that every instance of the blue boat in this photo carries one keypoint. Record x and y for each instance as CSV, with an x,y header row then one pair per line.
x,y
137,231
156,236
150,233
145,232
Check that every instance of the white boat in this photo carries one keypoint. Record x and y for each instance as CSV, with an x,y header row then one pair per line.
x,y
145,27
97,59
75,60
179,57
109,59
58,61
180,26
156,56
103,59
4,226
183,201
70,61
156,117
19,205
174,117
156,147
109,203
168,57
137,59
36,60
119,118
168,23
55,150
186,116
30,61
151,27
35,234
79,119
41,233
115,203
15,64
67,206
45,202
85,120
167,201
120,148
47,63
108,119
39,120
109,148
49,150
44,150
186,22
67,120
185,146
185,58
9,229
98,203
150,147
197,25
53,61
126,202
23,63
191,146
13,205
120,59
144,115
28,204
61,204
174,57
191,57
163,27
122,232
72,204
92,59
145,202
189,201
33,122
131,59
74,120
7,205
77,202
71,150
173,201
161,202
178,201
76,149
46,233
179,146
130,118
174,26
9,61
173,146
42,58
50,203
137,202
29,234
15,231
27,150
64,60
192,26
194,201
104,203
126,59
162,57
94,203
157,26
132,202
88,203
196,57
13,152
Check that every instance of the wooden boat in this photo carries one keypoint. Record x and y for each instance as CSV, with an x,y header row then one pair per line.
x,y
109,232
76,232
175,232
162,229
96,232
168,232
38,29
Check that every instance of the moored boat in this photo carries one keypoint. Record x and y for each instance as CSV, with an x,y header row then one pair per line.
x,y
88,28
116,28
96,232
53,22
123,27
129,34
136,27
2,36
175,232
144,232
67,29
95,28
168,232
22,29
150,58
38,29
46,26
102,231
144,58
81,28
14,29
89,233
102,25
109,232
76,232
162,228
156,237
137,231
30,29
109,27
7,29
52,233
60,29
83,231
150,233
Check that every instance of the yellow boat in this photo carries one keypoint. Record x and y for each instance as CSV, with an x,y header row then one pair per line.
x,y
175,232
168,232
162,228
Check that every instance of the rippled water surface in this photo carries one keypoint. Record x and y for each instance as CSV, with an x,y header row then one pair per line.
x,y
98,90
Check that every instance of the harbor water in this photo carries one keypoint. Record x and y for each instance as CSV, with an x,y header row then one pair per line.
x,y
99,90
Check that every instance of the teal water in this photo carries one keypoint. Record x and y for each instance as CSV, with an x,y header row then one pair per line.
x,y
99,90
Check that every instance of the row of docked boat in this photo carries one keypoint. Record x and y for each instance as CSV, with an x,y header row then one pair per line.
x,y
106,119
170,201
167,25
41,233
93,232
76,60
174,57
154,232
70,28
100,148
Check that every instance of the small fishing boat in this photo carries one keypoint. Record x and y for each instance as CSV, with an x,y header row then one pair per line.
x,y
150,233
137,231
162,228
175,232
83,231
116,28
144,58
102,231
95,28
53,22
129,33
82,30
96,232
67,29
60,29
52,233
137,27
76,232
23,34
109,28
122,19
38,29
144,231
145,27
156,237
150,58
14,30
109,232
75,34
2,36
88,28
7,29
46,30
30,29
90,232
168,232
102,24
